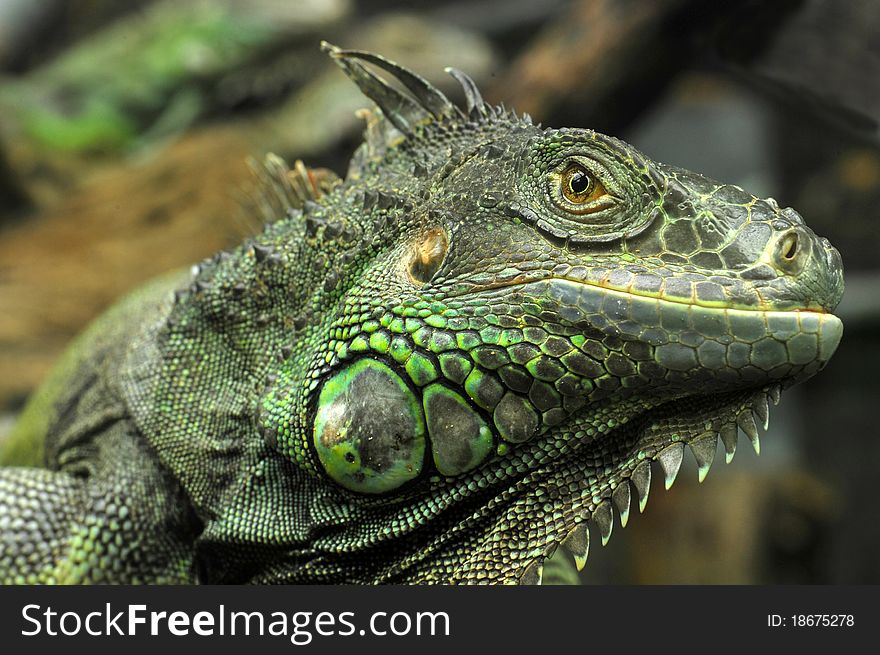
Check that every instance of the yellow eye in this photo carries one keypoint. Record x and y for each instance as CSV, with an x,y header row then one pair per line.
x,y
579,187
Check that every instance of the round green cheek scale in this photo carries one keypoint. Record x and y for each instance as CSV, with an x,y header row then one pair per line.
x,y
460,438
369,431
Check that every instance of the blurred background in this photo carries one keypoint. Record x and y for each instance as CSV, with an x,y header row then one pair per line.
x,y
125,128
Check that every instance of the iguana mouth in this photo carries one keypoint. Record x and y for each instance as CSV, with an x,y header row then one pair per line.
x,y
694,300
603,285
732,344
583,299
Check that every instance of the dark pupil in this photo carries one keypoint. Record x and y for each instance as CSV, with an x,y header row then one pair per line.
x,y
579,182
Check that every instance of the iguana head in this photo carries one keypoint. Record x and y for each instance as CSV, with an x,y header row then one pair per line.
x,y
500,326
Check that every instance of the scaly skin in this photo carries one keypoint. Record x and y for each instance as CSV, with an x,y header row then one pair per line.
x,y
437,370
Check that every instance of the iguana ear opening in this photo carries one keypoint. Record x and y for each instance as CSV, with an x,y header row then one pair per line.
x,y
426,256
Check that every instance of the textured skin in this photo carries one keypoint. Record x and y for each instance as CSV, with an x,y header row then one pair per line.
x,y
434,371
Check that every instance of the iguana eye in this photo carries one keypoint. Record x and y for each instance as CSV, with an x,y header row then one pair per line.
x,y
579,190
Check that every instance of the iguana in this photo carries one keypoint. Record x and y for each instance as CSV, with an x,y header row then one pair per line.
x,y
437,370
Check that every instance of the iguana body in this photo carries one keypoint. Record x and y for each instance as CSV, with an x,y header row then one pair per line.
x,y
436,370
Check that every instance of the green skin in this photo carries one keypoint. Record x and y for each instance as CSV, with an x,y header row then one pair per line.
x,y
436,372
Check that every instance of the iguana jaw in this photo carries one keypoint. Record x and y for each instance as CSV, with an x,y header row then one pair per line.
x,y
736,358
588,473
